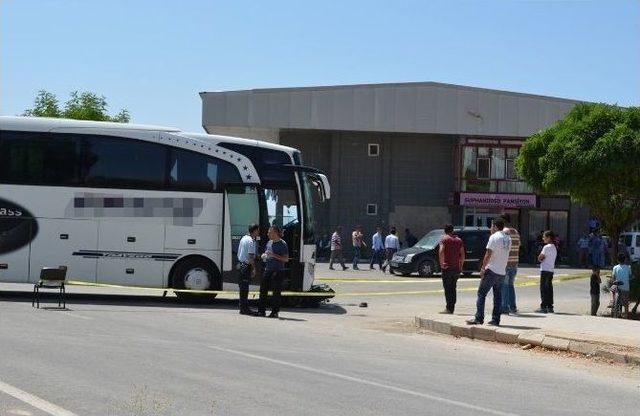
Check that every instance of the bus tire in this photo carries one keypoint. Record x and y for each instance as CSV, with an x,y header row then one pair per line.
x,y
196,273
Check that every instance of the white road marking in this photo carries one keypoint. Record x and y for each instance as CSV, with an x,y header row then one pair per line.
x,y
366,382
34,401
75,315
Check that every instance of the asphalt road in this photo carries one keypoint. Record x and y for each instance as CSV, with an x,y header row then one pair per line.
x,y
126,354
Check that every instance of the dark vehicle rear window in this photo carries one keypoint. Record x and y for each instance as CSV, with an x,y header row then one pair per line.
x,y
474,240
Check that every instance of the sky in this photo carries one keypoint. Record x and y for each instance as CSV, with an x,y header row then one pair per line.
x,y
153,57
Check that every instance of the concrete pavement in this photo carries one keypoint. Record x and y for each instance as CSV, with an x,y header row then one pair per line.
x,y
131,352
136,356
615,339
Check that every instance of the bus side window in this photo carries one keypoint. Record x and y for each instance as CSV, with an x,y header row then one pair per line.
x,y
191,171
123,163
34,158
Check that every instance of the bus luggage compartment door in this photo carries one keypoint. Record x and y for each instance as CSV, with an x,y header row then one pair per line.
x,y
15,239
65,242
132,253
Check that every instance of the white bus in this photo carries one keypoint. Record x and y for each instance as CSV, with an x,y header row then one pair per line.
x,y
147,206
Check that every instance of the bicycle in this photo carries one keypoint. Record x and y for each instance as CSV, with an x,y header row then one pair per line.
x,y
616,306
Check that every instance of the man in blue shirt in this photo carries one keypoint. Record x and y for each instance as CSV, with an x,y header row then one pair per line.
x,y
275,257
247,266
597,247
583,251
377,248
622,273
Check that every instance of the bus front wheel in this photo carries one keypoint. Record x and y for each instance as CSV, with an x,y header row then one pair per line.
x,y
194,274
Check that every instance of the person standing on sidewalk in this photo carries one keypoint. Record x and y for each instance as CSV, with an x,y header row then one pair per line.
x,y
492,273
595,291
247,266
508,287
583,251
622,273
275,256
597,246
357,240
547,259
451,257
410,240
377,248
392,245
336,249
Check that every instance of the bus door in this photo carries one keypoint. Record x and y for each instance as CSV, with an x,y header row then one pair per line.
x,y
241,210
283,210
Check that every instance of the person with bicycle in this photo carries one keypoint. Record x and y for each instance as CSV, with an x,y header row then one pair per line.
x,y
622,274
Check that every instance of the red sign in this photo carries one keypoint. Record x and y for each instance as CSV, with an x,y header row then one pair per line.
x,y
498,200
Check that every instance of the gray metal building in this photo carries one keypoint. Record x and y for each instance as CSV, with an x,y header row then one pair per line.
x,y
413,155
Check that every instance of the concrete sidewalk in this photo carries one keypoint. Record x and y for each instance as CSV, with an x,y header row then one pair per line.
x,y
615,339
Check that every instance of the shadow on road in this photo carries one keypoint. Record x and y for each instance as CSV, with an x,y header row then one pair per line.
x,y
526,315
151,301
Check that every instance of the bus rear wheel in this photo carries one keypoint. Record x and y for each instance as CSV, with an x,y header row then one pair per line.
x,y
194,274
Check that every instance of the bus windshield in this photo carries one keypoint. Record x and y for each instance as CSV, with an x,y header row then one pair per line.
x,y
282,207
283,211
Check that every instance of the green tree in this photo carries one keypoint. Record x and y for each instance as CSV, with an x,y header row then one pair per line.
x,y
80,106
45,105
593,155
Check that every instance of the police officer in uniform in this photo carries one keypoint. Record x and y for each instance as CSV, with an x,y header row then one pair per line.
x,y
247,266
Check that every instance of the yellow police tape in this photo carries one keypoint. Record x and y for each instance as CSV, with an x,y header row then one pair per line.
x,y
416,279
310,294
208,292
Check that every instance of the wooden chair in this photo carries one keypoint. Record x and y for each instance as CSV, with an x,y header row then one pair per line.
x,y
51,278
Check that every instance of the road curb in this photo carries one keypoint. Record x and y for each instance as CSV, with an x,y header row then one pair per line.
x,y
538,339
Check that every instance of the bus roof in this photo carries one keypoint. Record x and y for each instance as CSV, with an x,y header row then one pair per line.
x,y
49,124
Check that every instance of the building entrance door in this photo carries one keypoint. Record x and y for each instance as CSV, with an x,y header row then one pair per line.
x,y
478,217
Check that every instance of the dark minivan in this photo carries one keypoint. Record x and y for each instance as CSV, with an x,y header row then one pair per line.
x,y
423,256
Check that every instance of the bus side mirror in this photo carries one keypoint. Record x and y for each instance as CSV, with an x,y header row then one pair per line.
x,y
326,188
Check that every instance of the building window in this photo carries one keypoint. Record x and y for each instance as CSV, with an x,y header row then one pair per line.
x,y
511,170
497,163
490,169
372,209
374,149
483,171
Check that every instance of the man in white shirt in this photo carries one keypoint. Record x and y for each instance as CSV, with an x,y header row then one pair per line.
x,y
547,260
377,248
492,273
247,266
392,244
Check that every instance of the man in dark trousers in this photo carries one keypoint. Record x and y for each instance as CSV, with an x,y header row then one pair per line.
x,y
336,249
275,256
451,256
247,266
